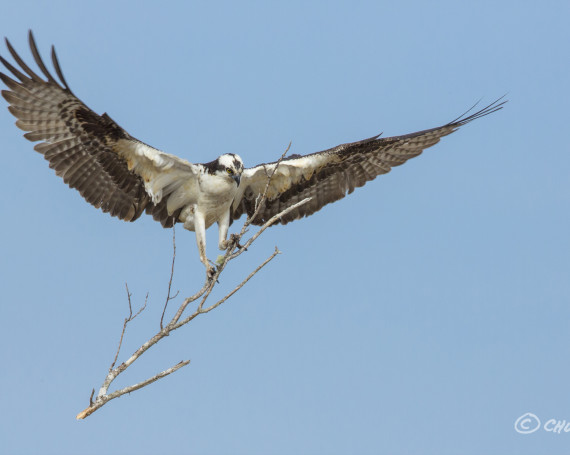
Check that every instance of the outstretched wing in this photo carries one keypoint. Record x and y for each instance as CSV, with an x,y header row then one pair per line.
x,y
330,175
112,170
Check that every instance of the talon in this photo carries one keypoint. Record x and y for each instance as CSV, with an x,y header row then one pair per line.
x,y
210,272
234,239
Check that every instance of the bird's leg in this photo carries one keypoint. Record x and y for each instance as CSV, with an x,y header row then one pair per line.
x,y
223,226
200,228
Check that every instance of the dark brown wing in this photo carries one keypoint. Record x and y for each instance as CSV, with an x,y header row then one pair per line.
x,y
90,152
330,175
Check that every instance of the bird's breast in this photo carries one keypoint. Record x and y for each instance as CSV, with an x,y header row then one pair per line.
x,y
216,186
215,197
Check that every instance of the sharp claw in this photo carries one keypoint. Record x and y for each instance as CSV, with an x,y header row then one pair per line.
x,y
234,239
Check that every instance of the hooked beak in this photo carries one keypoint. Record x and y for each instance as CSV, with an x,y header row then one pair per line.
x,y
237,178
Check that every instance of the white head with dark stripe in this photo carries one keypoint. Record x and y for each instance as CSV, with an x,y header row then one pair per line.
x,y
228,166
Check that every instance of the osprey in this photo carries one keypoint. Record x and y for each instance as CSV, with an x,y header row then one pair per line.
x,y
125,177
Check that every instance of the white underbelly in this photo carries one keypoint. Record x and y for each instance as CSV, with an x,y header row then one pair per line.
x,y
215,196
211,208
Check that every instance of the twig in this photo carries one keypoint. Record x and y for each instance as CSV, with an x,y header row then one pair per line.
x,y
242,284
127,320
259,203
269,223
227,296
168,297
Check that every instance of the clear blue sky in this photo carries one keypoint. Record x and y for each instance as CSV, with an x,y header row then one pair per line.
x,y
423,314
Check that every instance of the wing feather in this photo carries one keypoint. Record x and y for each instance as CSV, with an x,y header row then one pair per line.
x,y
93,154
329,175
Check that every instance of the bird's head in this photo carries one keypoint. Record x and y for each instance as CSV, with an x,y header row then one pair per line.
x,y
230,165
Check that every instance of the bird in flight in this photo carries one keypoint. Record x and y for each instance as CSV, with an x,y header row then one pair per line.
x,y
125,177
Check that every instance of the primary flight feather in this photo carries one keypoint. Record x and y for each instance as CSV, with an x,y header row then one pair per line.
x,y
126,177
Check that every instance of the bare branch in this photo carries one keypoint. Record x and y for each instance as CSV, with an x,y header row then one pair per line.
x,y
201,296
127,320
208,286
267,224
141,308
129,299
261,202
242,284
168,297
120,344
100,402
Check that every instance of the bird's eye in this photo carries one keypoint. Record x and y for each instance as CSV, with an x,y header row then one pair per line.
x,y
229,171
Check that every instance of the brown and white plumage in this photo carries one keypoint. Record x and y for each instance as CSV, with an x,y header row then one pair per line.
x,y
112,170
330,175
125,177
